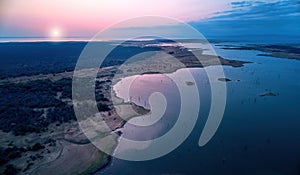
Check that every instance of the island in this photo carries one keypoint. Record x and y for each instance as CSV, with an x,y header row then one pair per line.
x,y
268,94
272,50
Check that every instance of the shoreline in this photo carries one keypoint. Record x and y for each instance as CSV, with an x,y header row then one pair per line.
x,y
71,130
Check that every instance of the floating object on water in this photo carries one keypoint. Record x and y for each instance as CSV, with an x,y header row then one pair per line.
x,y
224,79
268,94
189,83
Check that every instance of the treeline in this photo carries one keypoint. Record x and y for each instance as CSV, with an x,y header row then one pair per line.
x,y
33,58
16,152
22,105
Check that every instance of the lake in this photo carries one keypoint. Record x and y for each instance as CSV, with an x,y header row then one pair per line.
x,y
258,134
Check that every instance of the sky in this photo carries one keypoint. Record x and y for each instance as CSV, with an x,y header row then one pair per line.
x,y
84,18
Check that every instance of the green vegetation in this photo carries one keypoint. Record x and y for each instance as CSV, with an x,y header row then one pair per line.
x,y
22,105
14,152
32,106
11,170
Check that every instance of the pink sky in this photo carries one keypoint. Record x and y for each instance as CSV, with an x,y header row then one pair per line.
x,y
86,17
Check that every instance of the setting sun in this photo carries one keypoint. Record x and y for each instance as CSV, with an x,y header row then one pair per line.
x,y
55,33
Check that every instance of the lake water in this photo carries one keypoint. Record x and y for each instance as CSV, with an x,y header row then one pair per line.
x,y
258,135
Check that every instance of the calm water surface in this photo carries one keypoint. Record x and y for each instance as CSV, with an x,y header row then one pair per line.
x,y
258,135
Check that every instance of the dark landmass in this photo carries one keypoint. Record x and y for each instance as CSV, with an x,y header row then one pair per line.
x,y
278,51
23,106
189,60
34,58
38,123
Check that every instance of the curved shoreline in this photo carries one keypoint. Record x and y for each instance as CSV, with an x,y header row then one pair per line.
x,y
152,67
154,70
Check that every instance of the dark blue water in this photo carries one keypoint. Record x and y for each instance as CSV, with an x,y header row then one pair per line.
x,y
258,135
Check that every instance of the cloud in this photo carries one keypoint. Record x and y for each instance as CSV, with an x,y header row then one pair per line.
x,y
254,18
259,10
85,18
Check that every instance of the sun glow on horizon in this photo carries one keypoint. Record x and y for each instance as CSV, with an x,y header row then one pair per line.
x,y
55,33
85,18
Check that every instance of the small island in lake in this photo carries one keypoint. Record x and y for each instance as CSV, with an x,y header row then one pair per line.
x,y
268,94
224,79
